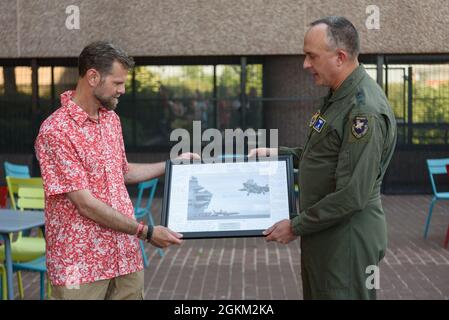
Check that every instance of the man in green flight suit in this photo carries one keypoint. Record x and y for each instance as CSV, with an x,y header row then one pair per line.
x,y
350,143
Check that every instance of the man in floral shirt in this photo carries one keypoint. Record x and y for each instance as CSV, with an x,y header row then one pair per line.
x,y
91,233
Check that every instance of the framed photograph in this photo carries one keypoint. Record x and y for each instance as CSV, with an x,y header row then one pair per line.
x,y
235,199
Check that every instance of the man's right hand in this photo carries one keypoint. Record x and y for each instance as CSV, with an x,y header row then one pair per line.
x,y
263,152
163,237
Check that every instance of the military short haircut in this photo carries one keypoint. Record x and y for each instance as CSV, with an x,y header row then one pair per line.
x,y
100,55
341,34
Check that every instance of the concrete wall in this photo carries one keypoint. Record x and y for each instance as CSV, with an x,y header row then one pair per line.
x,y
214,27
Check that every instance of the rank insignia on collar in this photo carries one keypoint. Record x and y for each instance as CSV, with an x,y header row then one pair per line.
x,y
359,127
314,117
319,124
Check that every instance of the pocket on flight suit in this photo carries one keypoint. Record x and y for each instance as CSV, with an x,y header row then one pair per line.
x,y
329,133
344,169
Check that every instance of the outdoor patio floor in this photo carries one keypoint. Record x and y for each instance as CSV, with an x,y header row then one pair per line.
x,y
250,268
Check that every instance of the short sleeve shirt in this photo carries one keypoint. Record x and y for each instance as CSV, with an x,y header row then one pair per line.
x,y
76,152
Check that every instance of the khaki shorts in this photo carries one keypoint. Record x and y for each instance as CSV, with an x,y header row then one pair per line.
x,y
127,287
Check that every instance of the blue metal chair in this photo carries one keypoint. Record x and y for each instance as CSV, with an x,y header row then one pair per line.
x,y
435,166
142,212
16,170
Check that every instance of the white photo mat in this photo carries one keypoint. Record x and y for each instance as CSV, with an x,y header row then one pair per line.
x,y
227,199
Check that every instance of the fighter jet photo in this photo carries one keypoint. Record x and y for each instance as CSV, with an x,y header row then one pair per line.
x,y
251,187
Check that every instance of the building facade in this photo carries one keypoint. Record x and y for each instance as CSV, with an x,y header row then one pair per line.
x,y
228,64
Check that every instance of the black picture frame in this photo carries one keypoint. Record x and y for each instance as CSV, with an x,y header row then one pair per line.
x,y
247,232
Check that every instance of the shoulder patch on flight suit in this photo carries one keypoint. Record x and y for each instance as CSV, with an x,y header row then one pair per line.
x,y
359,126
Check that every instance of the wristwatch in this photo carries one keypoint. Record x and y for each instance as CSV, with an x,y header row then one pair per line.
x,y
149,232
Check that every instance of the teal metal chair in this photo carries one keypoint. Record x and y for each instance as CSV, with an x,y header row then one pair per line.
x,y
142,210
446,239
16,170
36,265
435,167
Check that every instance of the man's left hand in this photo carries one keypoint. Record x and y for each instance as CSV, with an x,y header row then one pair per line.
x,y
281,232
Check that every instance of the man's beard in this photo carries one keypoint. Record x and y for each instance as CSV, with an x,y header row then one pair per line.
x,y
108,103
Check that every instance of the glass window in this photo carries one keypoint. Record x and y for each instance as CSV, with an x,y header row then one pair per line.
x,y
45,88
16,124
158,99
52,81
424,119
230,113
163,98
229,96
371,69
184,95
254,105
65,78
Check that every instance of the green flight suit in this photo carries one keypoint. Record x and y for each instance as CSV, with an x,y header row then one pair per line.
x,y
341,221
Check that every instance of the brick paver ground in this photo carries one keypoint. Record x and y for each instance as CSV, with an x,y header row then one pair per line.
x,y
250,268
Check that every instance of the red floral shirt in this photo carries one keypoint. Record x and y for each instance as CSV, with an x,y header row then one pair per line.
x,y
76,152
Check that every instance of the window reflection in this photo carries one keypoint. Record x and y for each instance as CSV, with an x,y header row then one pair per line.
x,y
171,97
158,99
65,79
16,125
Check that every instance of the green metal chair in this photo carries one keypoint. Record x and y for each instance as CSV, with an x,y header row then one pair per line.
x,y
3,286
13,184
142,211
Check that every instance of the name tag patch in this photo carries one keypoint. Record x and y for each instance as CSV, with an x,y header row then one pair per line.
x,y
319,124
